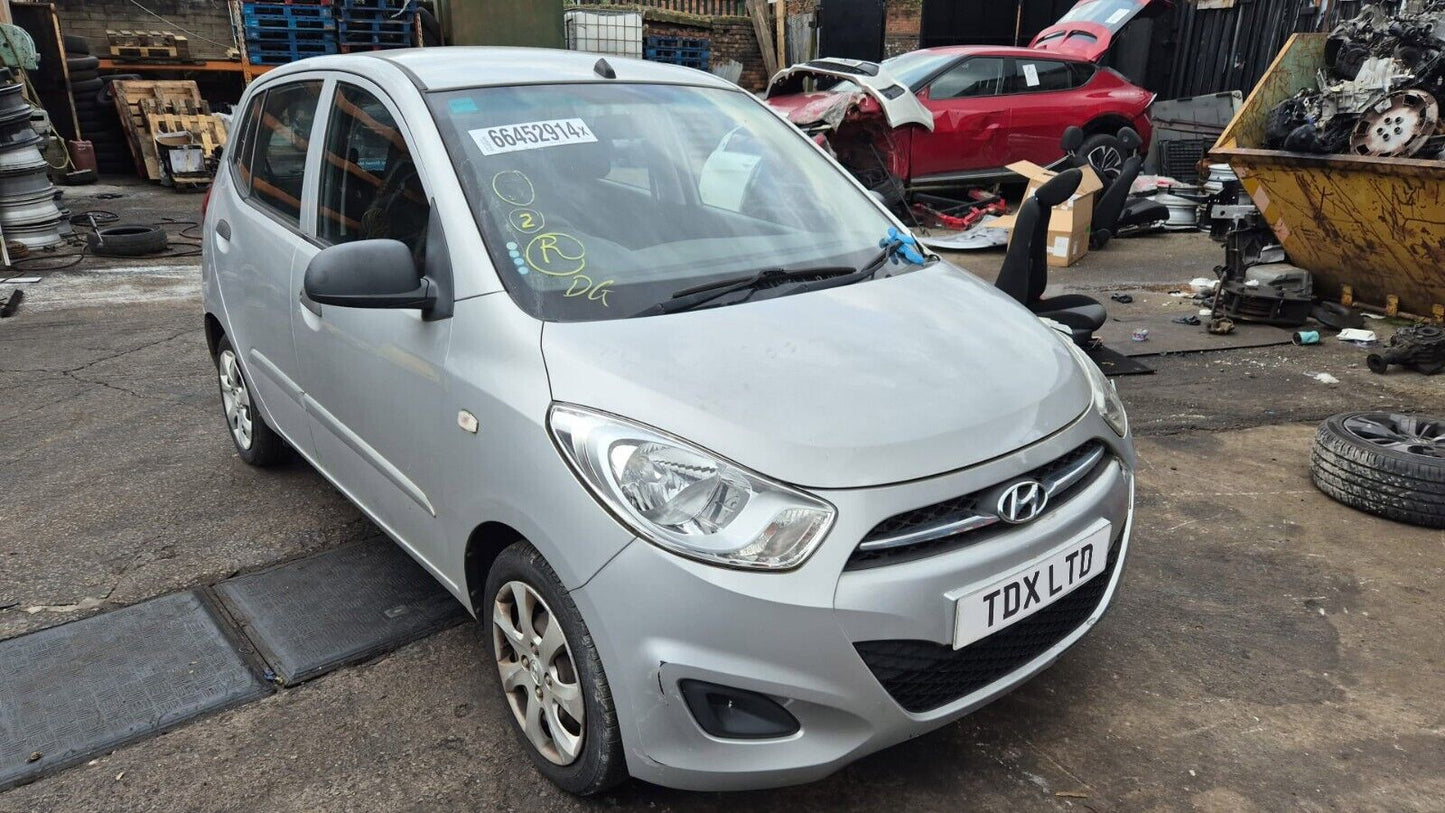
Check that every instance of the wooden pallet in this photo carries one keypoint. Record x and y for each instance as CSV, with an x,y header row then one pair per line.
x,y
148,45
147,107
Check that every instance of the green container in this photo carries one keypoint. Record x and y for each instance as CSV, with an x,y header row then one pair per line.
x,y
534,23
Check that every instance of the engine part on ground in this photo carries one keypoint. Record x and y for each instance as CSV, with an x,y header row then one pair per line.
x,y
1264,304
127,241
1335,316
1281,275
1418,347
1383,463
1398,126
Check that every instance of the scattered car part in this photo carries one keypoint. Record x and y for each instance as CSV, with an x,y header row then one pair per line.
x,y
1418,347
1335,316
11,304
1398,126
1025,274
1383,463
127,241
1183,212
1300,338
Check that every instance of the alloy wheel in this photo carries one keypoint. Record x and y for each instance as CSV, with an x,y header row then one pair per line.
x,y
236,399
538,673
1107,161
1402,433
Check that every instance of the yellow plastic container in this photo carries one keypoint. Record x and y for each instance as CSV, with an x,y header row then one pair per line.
x,y
1374,224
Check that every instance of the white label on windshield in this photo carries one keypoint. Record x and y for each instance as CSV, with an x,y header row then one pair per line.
x,y
1031,75
1117,16
532,135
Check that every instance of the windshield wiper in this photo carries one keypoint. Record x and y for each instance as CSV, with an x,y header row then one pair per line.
x,y
811,279
699,295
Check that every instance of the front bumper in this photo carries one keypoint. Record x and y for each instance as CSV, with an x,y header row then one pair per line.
x,y
658,619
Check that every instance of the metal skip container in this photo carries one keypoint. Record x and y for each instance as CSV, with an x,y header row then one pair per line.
x,y
1374,224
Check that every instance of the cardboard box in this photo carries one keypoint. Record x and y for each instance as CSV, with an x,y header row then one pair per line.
x,y
1070,222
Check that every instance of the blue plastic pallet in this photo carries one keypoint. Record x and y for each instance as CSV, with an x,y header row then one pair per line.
x,y
281,11
280,55
376,5
266,32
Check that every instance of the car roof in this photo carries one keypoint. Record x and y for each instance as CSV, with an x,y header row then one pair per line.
x,y
456,67
999,50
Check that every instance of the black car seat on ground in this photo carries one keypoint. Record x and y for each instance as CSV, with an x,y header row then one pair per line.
x,y
1025,273
1111,203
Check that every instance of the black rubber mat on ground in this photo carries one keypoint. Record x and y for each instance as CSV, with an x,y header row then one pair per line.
x,y
70,692
313,615
1114,363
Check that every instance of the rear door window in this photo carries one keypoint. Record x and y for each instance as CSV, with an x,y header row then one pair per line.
x,y
278,160
1037,76
244,142
981,76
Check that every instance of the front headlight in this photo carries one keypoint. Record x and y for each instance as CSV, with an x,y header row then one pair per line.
x,y
1106,395
687,500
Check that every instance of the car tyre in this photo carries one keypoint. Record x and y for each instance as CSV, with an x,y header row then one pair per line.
x,y
1383,463
1105,154
256,442
538,673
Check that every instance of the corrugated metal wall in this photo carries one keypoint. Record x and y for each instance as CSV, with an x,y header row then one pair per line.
x,y
1221,49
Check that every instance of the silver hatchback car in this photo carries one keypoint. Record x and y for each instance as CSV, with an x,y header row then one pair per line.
x,y
740,485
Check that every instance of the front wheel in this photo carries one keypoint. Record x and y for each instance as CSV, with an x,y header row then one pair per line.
x,y
550,674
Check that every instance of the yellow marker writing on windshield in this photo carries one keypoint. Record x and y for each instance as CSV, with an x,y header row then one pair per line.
x,y
557,254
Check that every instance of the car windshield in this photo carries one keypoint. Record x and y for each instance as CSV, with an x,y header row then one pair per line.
x,y
600,200
1112,14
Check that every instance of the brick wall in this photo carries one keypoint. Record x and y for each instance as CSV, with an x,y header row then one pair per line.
x,y
208,19
903,19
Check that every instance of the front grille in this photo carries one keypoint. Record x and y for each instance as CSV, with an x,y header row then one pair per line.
x,y
960,510
922,675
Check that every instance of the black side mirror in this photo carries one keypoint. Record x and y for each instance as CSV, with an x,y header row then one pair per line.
x,y
368,274
1073,140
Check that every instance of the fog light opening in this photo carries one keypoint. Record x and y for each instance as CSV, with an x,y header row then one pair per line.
x,y
736,714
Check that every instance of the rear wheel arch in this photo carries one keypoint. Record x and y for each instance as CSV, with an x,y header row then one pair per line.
x,y
1107,124
214,332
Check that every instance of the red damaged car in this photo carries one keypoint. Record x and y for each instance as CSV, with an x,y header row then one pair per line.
x,y
957,115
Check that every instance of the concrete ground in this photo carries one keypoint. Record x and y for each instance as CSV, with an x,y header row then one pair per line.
x,y
1269,648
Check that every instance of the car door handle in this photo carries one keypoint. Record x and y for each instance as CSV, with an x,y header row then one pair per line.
x,y
308,303
223,229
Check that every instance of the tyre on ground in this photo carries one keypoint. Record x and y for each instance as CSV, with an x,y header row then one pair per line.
x,y
1383,463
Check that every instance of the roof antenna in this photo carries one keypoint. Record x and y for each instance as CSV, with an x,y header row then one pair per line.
x,y
604,70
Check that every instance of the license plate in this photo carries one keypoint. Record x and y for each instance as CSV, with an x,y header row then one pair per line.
x,y
1018,596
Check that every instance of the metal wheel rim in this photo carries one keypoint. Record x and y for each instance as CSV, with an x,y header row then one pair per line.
x,y
538,674
236,399
1402,433
1107,161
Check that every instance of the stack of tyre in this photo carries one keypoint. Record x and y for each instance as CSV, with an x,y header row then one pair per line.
x,y
28,213
94,109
